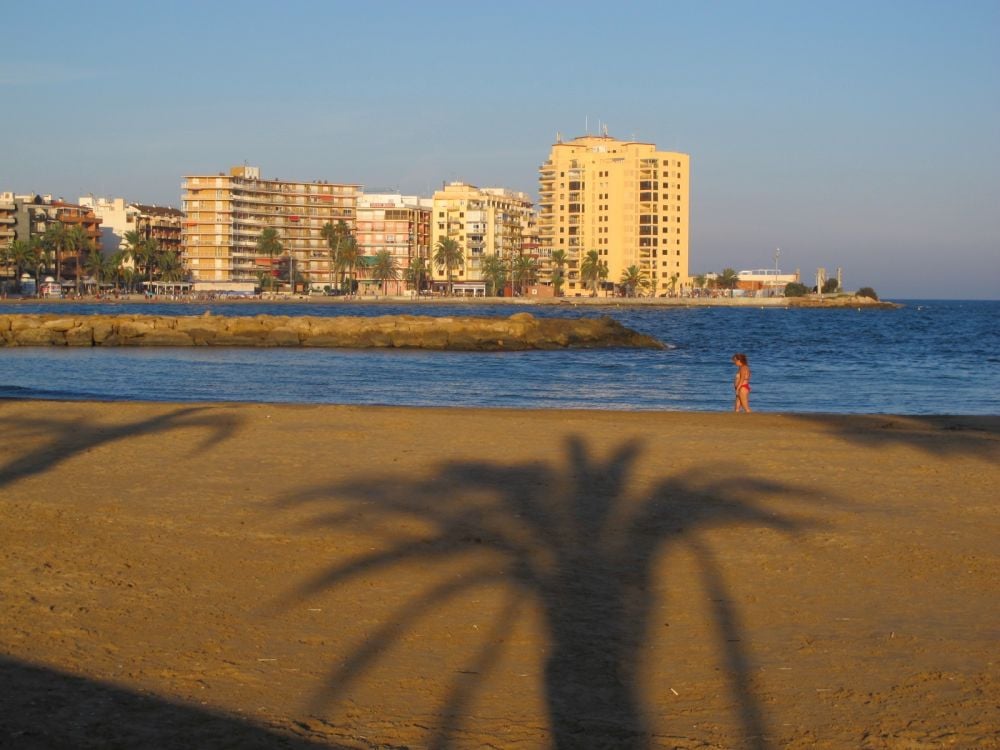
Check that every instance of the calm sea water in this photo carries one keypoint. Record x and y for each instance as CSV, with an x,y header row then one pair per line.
x,y
931,357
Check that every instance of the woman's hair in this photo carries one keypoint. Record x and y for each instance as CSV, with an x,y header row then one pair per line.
x,y
740,357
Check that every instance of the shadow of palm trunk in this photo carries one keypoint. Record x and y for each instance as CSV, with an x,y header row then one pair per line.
x,y
579,541
727,622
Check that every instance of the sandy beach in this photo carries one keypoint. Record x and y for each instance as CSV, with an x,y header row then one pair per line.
x,y
257,576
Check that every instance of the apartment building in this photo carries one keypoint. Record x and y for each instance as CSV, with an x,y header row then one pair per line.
x,y
400,224
624,199
483,221
118,217
226,213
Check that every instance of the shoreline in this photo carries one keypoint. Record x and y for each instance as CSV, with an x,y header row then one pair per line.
x,y
828,302
180,574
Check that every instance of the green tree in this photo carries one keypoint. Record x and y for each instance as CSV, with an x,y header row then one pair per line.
x,y
867,291
145,254
632,279
117,262
830,286
558,259
699,281
727,279
20,255
385,269
795,289
494,272
592,270
80,245
347,260
525,272
448,255
95,266
170,267
672,284
57,239
416,274
335,236
269,245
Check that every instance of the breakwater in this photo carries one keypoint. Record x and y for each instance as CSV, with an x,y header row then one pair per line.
x,y
518,332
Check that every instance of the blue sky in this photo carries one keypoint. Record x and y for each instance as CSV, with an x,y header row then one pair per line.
x,y
857,134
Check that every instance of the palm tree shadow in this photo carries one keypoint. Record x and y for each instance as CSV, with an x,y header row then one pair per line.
x,y
973,436
63,439
576,540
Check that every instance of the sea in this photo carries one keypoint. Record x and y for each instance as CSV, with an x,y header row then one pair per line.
x,y
927,357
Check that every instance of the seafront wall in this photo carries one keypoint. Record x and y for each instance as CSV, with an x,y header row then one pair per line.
x,y
517,332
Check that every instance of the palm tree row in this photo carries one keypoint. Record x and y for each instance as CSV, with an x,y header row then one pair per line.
x,y
39,255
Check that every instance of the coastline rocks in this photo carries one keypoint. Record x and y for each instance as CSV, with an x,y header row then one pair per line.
x,y
518,332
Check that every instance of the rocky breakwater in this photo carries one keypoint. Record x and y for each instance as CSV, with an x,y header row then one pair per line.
x,y
518,332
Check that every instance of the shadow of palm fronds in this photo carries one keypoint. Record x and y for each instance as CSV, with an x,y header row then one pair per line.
x,y
62,439
578,541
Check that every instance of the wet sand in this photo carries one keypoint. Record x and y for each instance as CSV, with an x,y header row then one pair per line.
x,y
317,576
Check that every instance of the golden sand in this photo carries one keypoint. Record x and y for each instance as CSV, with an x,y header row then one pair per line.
x,y
304,576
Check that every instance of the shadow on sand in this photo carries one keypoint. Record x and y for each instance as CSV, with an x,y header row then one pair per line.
x,y
936,435
578,542
70,437
42,708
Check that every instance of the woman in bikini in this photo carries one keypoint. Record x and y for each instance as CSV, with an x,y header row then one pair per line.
x,y
741,383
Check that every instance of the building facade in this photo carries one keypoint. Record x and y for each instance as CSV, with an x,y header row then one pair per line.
x,y
624,199
399,224
118,217
483,221
226,214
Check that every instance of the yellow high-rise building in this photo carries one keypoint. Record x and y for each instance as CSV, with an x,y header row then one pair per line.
x,y
226,214
624,199
483,221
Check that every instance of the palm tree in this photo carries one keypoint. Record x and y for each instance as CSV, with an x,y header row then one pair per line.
x,y
385,269
270,245
20,254
674,277
524,272
145,254
592,270
632,278
727,279
699,281
335,234
95,266
170,266
78,243
494,272
447,255
116,264
347,260
558,275
56,237
416,274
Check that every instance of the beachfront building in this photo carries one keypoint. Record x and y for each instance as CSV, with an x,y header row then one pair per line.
x,y
27,217
394,223
624,199
483,221
226,214
161,223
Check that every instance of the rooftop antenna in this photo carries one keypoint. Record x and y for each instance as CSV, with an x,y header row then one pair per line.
x,y
604,130
586,124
